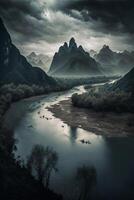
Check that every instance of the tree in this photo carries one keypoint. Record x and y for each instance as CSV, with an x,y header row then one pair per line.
x,y
42,162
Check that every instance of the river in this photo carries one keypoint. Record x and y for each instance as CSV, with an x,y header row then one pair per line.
x,y
112,157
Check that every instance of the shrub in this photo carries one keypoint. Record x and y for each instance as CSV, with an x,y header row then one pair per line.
x,y
117,101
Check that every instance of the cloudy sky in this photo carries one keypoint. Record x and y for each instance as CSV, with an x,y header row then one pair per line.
x,y
43,25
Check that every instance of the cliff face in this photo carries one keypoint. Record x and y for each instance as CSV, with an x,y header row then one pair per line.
x,y
73,60
14,67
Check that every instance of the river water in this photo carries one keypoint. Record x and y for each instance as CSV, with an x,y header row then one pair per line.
x,y
112,157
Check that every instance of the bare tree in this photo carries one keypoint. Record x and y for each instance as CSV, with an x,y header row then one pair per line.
x,y
42,162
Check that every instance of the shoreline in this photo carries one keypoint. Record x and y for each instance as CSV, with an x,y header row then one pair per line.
x,y
12,169
107,124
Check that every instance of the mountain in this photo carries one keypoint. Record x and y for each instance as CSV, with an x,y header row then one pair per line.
x,y
105,55
73,60
39,60
113,62
92,53
15,68
126,83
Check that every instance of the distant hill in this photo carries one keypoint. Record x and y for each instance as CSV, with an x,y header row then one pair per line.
x,y
92,53
73,60
126,83
15,68
39,60
113,62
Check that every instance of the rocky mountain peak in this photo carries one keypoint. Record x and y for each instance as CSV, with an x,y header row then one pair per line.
x,y
5,37
73,60
72,43
33,54
106,46
81,48
106,49
65,45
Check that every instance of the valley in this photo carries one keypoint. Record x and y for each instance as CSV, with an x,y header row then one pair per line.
x,y
51,121
66,121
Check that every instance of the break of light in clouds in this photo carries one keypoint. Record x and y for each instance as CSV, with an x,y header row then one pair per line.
x,y
42,26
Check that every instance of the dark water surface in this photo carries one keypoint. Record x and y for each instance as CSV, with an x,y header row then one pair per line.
x,y
113,158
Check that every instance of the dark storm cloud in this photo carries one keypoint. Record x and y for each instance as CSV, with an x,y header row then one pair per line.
x,y
114,15
108,16
34,23
28,7
21,16
27,21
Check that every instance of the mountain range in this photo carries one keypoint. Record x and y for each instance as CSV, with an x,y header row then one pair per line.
x,y
14,68
74,60
113,62
39,60
69,60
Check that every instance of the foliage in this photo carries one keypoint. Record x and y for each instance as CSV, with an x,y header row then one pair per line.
x,y
69,82
15,180
42,162
14,177
117,101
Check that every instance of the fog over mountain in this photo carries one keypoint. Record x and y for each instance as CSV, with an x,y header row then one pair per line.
x,y
39,60
48,24
74,60
14,67
92,23
115,62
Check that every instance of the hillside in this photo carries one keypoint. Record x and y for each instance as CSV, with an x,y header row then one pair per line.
x,y
116,97
113,62
74,60
126,83
40,60
14,68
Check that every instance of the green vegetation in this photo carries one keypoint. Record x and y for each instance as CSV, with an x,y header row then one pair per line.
x,y
16,182
117,97
116,101
69,82
10,93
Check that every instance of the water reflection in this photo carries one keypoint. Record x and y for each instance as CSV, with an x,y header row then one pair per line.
x,y
73,134
86,179
112,158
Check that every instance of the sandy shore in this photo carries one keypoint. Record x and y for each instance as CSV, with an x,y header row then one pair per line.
x,y
107,124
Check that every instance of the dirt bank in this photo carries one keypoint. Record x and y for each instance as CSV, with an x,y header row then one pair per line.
x,y
107,124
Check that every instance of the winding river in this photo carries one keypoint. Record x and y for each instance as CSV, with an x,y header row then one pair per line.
x,y
112,157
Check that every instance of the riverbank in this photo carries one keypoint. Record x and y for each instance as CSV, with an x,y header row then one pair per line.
x,y
16,182
108,124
